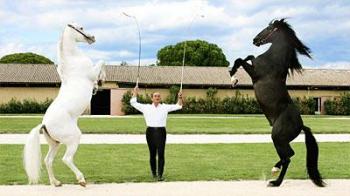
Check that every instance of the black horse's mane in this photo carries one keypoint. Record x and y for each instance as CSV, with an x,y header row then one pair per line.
x,y
299,47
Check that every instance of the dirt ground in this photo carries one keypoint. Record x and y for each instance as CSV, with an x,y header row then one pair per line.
x,y
222,188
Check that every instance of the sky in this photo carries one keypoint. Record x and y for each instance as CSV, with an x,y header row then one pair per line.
x,y
36,26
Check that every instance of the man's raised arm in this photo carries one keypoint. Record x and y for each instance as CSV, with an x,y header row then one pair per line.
x,y
133,100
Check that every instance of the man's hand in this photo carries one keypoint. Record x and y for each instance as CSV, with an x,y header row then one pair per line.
x,y
135,92
179,98
179,95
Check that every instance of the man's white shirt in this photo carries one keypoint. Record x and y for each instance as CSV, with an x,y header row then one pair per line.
x,y
154,116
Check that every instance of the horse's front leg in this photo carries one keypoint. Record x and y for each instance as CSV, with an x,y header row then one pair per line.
x,y
98,75
249,68
233,70
240,62
98,72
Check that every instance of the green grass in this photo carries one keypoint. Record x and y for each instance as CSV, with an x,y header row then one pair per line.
x,y
182,124
190,162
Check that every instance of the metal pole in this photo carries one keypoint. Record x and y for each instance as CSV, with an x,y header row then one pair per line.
x,y
139,63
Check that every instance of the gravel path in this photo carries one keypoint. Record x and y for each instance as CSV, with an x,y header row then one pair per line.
x,y
222,188
178,139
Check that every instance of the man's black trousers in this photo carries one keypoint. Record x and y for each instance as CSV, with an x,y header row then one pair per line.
x,y
156,137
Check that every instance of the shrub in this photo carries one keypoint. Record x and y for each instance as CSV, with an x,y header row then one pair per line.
x,y
306,105
211,104
26,106
127,108
173,91
338,106
239,104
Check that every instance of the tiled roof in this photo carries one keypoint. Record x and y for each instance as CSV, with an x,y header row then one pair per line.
x,y
28,73
166,75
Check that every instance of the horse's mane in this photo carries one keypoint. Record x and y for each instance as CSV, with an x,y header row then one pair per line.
x,y
299,47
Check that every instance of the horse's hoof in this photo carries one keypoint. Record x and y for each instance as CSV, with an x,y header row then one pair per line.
x,y
82,183
274,183
234,81
319,183
275,171
57,183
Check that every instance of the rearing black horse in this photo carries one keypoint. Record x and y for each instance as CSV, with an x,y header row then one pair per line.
x,y
269,72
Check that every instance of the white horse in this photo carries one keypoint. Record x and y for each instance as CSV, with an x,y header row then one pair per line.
x,y
78,80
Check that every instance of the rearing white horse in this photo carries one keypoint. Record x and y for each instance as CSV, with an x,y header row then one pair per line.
x,y
78,80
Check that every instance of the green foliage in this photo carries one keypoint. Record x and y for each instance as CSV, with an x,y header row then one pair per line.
x,y
305,105
211,104
340,106
240,104
172,98
198,53
26,106
25,58
127,108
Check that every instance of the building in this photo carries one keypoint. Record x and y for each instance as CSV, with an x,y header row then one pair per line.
x,y
39,82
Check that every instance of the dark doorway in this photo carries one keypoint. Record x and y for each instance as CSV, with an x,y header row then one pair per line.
x,y
101,103
317,104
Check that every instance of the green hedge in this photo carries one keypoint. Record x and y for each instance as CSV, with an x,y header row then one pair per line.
x,y
211,104
127,108
26,106
340,106
305,105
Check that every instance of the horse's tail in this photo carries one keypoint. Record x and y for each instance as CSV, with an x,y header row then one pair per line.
x,y
312,157
32,155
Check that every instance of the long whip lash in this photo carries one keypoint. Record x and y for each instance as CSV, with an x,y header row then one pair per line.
x,y
139,63
184,53
183,65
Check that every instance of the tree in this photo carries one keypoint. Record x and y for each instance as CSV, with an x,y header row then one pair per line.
x,y
198,53
25,58
123,63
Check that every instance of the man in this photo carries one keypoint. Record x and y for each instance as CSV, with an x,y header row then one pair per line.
x,y
155,115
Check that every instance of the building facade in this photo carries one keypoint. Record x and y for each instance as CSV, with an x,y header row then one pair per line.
x,y
41,82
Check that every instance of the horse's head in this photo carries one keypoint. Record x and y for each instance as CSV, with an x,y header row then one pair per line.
x,y
268,34
277,28
78,33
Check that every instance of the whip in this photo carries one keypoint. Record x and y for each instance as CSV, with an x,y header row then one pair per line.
x,y
138,28
184,52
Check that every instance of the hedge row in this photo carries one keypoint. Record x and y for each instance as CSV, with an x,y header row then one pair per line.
x,y
237,104
340,106
26,106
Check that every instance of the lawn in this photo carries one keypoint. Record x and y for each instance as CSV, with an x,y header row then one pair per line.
x,y
182,124
129,163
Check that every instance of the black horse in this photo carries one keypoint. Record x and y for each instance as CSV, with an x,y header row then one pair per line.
x,y
269,72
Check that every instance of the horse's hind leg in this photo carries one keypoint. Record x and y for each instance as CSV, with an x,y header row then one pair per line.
x,y
285,152
283,132
53,149
68,160
277,168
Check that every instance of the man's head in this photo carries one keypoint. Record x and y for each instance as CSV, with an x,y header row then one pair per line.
x,y
156,99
